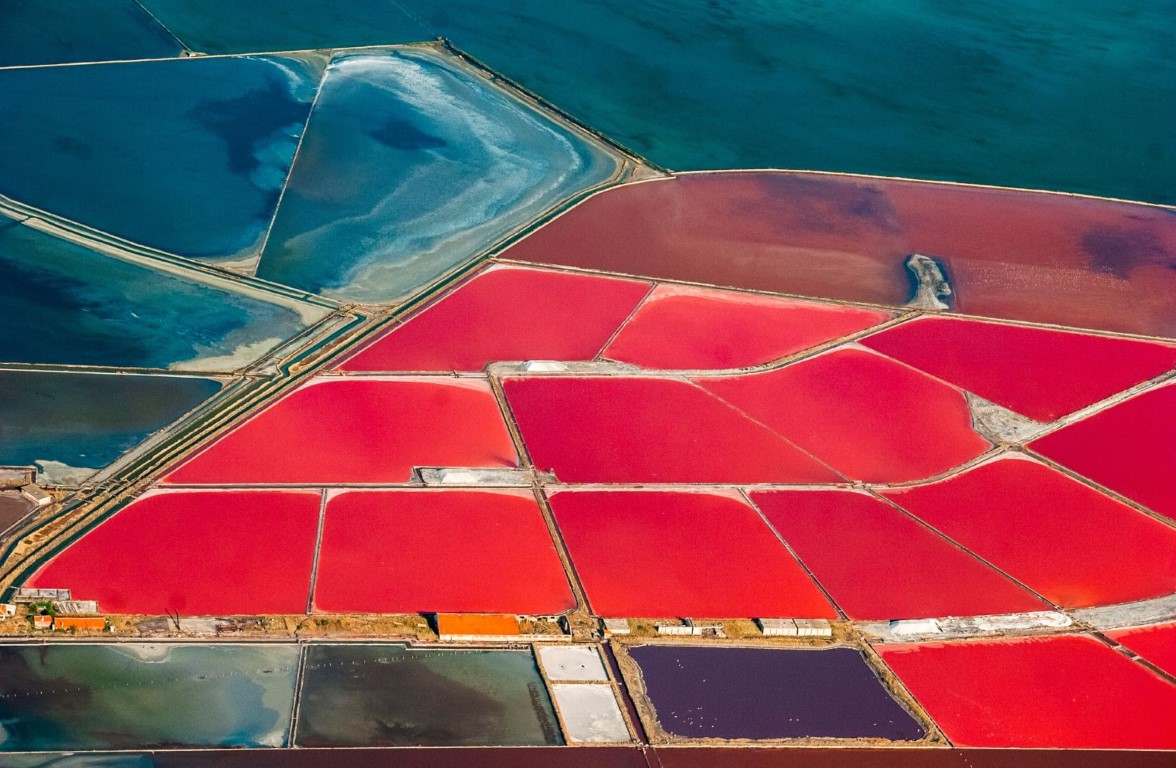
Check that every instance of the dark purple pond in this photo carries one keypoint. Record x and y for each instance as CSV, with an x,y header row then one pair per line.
x,y
768,693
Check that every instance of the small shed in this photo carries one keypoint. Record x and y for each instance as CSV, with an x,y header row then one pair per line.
x,y
37,495
17,477
615,627
42,622
691,627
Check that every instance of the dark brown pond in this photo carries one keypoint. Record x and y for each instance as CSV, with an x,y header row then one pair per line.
x,y
391,695
767,693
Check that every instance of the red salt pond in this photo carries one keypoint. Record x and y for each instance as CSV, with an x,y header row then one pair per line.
x,y
879,564
438,551
675,756
506,313
662,554
1047,258
1010,254
1130,448
1157,644
636,430
830,237
1064,691
1037,372
684,327
199,553
359,431
1063,539
869,417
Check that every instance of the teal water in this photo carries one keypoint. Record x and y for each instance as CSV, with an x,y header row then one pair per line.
x,y
65,303
232,26
391,695
72,424
64,696
56,31
188,156
56,760
411,165
1077,96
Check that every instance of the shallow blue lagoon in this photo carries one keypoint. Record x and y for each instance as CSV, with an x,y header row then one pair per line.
x,y
72,424
56,31
145,695
1077,96
188,155
411,165
65,303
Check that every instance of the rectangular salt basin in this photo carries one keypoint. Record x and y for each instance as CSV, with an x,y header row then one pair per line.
x,y
590,713
72,424
577,662
393,695
132,695
1059,692
770,693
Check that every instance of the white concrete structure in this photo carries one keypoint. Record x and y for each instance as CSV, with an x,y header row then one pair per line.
x,y
915,627
777,627
813,628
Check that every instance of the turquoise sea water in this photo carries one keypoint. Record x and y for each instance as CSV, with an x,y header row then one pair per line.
x,y
232,26
55,31
412,164
184,155
64,303
1077,96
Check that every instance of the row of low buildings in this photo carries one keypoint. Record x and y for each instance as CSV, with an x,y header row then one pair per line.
x,y
66,614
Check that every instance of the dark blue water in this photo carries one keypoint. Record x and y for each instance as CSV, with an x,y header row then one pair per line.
x,y
770,693
71,424
186,155
55,31
1077,96
64,303
411,165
